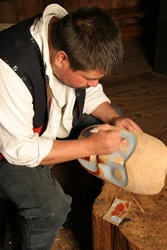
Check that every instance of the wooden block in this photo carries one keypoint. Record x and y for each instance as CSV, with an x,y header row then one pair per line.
x,y
145,227
105,235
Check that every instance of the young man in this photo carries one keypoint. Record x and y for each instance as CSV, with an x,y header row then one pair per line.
x,y
50,69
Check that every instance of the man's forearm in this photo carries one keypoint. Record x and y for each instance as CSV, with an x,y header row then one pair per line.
x,y
67,150
105,113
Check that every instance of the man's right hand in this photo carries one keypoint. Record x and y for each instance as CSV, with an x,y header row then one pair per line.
x,y
105,141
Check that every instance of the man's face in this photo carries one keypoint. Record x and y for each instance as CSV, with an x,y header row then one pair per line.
x,y
79,79
74,79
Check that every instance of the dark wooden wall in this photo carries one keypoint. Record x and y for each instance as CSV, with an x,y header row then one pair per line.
x,y
161,48
134,17
14,11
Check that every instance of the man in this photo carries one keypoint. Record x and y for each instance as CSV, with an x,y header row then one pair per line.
x,y
50,67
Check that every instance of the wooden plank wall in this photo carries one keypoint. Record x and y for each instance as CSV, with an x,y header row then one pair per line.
x,y
14,11
107,4
134,17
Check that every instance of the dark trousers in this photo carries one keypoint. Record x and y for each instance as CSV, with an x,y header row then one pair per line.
x,y
41,203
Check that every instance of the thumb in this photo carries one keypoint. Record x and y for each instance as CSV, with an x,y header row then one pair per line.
x,y
123,141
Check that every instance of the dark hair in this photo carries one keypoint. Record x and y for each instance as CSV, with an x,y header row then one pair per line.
x,y
90,38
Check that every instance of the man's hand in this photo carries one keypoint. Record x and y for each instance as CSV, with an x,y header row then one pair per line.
x,y
106,113
126,123
105,141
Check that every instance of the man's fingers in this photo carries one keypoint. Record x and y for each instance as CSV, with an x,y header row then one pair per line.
x,y
105,126
123,141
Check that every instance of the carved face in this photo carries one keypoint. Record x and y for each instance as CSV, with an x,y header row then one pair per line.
x,y
110,167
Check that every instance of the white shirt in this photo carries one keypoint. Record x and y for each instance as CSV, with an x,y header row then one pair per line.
x,y
18,143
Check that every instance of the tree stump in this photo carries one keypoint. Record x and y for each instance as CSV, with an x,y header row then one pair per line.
x,y
145,226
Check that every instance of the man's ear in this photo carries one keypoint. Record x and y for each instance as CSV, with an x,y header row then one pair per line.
x,y
61,59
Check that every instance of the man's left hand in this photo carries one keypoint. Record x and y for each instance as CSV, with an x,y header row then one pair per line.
x,y
126,123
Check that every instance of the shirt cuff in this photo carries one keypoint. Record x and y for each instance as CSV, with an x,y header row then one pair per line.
x,y
44,147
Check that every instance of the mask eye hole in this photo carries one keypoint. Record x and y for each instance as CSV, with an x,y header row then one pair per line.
x,y
118,174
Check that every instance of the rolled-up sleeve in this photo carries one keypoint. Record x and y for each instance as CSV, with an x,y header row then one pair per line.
x,y
18,143
94,97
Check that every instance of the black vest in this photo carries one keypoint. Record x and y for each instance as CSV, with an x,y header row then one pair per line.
x,y
21,52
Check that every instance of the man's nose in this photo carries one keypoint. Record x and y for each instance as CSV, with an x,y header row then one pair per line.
x,y
93,83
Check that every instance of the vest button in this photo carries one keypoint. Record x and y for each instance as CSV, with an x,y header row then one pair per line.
x,y
15,68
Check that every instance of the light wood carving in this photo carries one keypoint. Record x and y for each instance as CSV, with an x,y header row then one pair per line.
x,y
146,167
